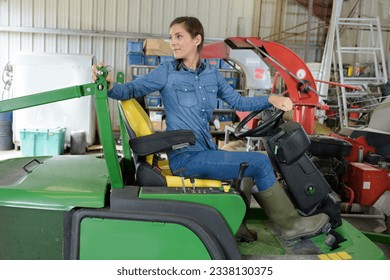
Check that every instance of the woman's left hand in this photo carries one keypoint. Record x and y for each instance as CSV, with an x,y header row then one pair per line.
x,y
281,102
109,79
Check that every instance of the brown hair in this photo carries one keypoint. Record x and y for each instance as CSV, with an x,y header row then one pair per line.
x,y
193,26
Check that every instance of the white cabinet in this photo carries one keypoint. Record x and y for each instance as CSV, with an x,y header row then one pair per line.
x,y
39,72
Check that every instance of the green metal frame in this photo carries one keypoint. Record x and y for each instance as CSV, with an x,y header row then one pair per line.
x,y
377,237
120,79
167,241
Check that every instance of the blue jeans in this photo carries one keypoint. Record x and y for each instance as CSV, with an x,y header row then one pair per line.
x,y
224,165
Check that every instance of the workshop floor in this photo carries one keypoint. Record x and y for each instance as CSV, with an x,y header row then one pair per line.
x,y
362,224
10,154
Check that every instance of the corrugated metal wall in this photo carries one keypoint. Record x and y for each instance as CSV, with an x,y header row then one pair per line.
x,y
102,27
286,22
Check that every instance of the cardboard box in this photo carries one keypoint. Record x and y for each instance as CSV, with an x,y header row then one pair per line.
x,y
221,143
223,124
159,125
157,47
155,116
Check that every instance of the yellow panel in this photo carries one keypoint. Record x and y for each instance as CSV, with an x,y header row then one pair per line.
x,y
323,257
335,256
175,181
164,166
166,172
344,255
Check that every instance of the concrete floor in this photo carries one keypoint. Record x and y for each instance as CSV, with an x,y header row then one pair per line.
x,y
10,154
363,224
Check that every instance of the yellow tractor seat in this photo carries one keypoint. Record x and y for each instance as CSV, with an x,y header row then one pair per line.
x,y
146,145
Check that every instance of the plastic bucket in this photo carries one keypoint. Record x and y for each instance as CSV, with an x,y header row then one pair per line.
x,y
6,131
78,142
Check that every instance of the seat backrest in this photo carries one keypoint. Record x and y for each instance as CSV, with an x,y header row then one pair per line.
x,y
137,122
137,118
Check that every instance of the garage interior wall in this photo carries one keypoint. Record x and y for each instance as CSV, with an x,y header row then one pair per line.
x,y
102,27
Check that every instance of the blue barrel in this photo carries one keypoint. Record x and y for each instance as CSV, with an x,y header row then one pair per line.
x,y
6,131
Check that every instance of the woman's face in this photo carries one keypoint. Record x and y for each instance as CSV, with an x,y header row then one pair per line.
x,y
182,44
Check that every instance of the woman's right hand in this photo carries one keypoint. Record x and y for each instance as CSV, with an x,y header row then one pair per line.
x,y
109,79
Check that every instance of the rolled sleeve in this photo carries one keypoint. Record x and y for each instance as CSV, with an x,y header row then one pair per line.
x,y
151,82
237,101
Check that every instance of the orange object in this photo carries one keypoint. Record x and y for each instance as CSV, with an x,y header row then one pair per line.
x,y
252,123
354,115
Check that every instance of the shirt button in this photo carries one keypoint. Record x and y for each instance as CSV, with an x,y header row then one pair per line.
x,y
202,110
203,98
200,87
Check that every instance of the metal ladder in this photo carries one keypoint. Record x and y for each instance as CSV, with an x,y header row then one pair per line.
x,y
364,101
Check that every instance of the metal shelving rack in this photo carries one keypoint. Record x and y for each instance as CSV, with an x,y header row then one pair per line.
x,y
374,50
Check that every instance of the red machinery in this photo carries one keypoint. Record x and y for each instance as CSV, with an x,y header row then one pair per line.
x,y
368,182
364,183
296,74
365,179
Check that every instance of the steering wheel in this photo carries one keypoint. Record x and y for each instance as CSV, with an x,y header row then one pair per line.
x,y
263,128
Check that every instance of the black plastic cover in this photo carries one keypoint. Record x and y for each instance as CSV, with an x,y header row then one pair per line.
x,y
322,145
162,142
292,144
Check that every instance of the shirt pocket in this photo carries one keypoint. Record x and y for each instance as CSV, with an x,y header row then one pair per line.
x,y
186,95
211,95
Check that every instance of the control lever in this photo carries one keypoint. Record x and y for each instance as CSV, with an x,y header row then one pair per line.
x,y
192,180
333,238
244,234
180,172
243,167
183,184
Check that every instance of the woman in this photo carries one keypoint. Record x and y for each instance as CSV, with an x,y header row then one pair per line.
x,y
189,89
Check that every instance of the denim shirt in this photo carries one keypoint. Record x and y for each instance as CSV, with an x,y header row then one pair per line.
x,y
189,98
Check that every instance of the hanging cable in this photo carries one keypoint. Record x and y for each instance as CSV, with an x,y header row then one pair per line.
x,y
7,79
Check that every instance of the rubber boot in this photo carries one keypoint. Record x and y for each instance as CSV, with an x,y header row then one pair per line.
x,y
280,210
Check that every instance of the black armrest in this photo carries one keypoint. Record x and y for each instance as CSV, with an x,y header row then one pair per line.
x,y
162,142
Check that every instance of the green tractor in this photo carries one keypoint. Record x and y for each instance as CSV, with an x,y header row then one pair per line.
x,y
89,207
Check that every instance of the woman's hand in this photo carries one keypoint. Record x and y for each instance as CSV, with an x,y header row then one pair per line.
x,y
109,79
281,102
